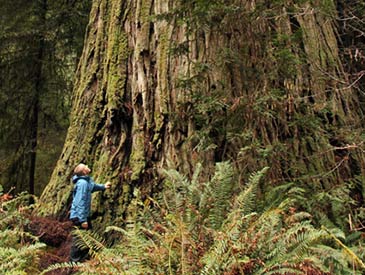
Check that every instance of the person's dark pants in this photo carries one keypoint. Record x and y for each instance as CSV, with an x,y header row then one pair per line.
x,y
78,254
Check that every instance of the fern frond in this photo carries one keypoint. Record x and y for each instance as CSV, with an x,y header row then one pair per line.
x,y
193,198
90,240
245,201
115,228
57,266
280,269
216,258
9,218
298,217
288,192
220,254
18,259
178,184
302,239
12,237
221,185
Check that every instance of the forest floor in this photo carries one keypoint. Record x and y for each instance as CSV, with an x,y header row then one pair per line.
x,y
57,236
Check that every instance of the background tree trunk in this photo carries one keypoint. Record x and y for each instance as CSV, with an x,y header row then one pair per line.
x,y
169,84
41,41
38,81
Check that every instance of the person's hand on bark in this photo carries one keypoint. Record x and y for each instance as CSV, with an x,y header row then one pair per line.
x,y
108,184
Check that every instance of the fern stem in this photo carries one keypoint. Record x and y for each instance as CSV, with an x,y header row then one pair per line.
x,y
182,255
170,249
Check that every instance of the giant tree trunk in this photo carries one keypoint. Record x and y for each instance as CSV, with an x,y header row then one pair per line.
x,y
171,83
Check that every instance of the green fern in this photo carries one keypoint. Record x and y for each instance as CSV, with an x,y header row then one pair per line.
x,y
15,238
127,257
13,210
15,260
220,188
347,251
185,232
245,202
62,266
18,248
278,240
210,199
220,255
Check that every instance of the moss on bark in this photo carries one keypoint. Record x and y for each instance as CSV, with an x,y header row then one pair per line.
x,y
259,86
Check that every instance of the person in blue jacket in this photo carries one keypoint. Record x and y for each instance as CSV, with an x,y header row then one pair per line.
x,y
84,185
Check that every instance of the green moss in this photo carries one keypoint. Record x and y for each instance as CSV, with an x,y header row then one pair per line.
x,y
144,13
117,56
163,61
137,158
102,161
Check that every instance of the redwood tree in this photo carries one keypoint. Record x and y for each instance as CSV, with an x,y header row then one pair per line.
x,y
173,83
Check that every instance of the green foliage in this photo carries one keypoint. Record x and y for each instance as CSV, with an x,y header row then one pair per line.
x,y
214,227
201,14
41,42
286,112
351,37
88,240
18,248
61,266
210,199
179,233
23,260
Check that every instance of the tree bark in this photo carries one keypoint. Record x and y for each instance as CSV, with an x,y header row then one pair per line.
x,y
38,90
166,84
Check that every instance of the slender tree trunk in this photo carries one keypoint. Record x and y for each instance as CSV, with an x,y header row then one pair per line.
x,y
33,146
38,69
166,84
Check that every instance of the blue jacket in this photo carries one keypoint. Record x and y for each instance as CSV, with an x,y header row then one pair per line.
x,y
81,203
